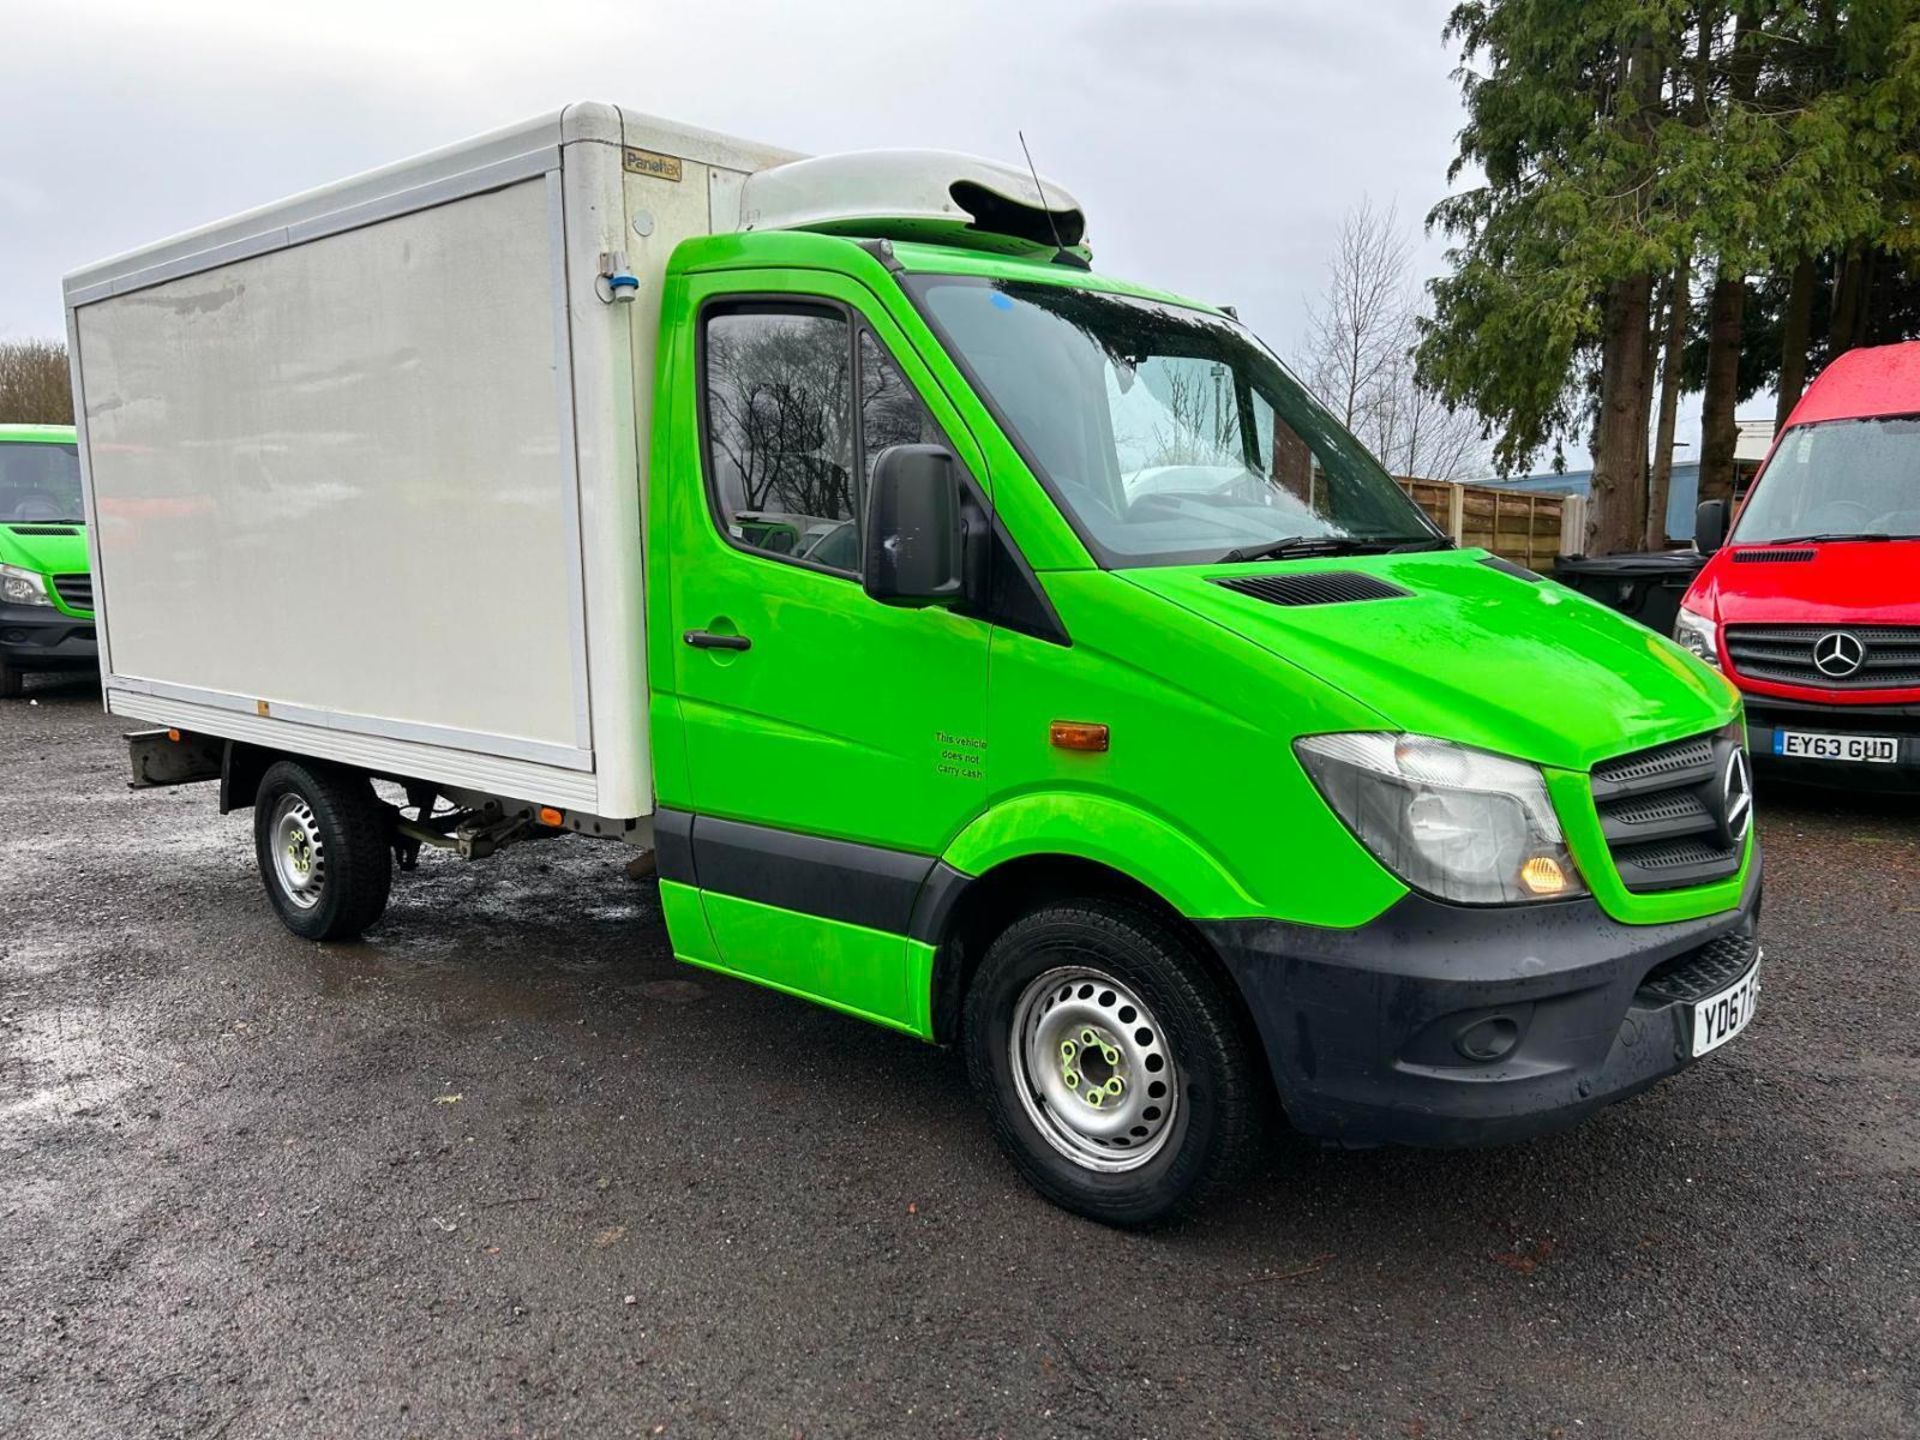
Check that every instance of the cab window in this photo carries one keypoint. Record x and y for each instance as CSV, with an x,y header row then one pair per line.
x,y
779,423
798,404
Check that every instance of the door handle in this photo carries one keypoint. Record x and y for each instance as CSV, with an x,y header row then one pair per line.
x,y
707,640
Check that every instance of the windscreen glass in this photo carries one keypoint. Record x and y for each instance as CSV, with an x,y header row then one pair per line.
x,y
39,482
1847,479
1166,435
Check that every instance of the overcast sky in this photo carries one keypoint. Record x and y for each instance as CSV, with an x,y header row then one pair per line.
x,y
1215,145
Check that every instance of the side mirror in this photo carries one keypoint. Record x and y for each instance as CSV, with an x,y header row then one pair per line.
x,y
916,534
1710,526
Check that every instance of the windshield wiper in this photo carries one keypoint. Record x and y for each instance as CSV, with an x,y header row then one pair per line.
x,y
1832,538
1302,545
1288,545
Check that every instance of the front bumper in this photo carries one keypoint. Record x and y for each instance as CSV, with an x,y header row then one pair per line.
x,y
1360,1026
39,637
1766,718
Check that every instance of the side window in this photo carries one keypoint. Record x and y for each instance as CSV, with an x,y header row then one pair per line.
x,y
793,428
891,413
780,429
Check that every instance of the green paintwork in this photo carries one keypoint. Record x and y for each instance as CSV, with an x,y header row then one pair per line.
x,y
879,977
1476,656
1154,806
841,720
687,923
48,554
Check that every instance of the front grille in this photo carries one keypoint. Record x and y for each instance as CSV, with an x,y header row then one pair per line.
x,y
1315,587
1699,973
1664,813
1890,655
75,590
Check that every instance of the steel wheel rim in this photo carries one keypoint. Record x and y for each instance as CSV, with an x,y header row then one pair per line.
x,y
299,856
1117,1113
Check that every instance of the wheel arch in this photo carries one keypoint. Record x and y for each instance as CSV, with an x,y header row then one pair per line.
x,y
1060,846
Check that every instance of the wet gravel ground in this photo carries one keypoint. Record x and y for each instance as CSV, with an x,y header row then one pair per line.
x,y
506,1169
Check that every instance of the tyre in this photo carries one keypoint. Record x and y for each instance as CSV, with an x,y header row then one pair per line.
x,y
12,682
1113,1066
325,847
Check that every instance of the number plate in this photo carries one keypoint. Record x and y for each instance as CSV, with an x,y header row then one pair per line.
x,y
1858,749
1719,1018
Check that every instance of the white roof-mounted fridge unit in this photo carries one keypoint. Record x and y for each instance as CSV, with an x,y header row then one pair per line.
x,y
933,195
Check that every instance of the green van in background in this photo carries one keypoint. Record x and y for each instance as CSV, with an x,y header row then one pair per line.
x,y
46,585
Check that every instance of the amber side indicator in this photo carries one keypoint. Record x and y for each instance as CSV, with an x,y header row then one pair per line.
x,y
1077,735
174,735
550,816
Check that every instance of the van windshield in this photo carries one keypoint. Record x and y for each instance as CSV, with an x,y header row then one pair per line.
x,y
1166,435
39,481
1841,480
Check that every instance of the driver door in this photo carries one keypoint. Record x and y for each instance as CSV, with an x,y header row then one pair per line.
x,y
833,744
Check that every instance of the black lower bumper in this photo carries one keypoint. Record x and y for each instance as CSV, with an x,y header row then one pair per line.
x,y
1372,1033
38,637
1767,719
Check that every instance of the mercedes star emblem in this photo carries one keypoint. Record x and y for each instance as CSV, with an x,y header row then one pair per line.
x,y
1737,792
1837,654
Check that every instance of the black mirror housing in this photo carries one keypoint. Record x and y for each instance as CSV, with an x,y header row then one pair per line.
x,y
916,532
1709,526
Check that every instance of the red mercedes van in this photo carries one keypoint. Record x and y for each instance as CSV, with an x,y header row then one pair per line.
x,y
1811,605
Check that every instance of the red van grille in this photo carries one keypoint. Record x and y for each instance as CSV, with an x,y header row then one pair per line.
x,y
1868,657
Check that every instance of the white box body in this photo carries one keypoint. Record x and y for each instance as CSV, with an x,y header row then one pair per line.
x,y
364,470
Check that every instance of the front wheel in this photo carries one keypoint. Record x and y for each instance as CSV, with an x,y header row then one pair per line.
x,y
1112,1064
325,848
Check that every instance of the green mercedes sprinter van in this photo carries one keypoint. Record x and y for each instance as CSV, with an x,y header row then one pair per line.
x,y
985,646
46,590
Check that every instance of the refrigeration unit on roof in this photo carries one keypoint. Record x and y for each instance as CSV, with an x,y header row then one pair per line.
x,y
932,195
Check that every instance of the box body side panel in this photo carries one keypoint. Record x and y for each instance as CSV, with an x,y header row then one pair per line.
x,y
336,476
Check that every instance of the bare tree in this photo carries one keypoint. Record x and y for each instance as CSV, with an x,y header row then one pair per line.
x,y
34,384
780,414
1359,359
1355,330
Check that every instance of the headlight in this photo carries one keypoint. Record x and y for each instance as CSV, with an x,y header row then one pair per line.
x,y
22,587
1459,824
1698,634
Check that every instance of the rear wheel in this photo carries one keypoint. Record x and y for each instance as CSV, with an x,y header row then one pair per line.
x,y
324,845
1114,1067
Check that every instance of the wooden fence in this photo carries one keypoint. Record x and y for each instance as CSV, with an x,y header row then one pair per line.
x,y
1527,528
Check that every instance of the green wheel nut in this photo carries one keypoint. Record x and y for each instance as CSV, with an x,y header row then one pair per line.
x,y
1066,1049
1116,1085
1112,1057
1087,1037
1073,1080
1093,1098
